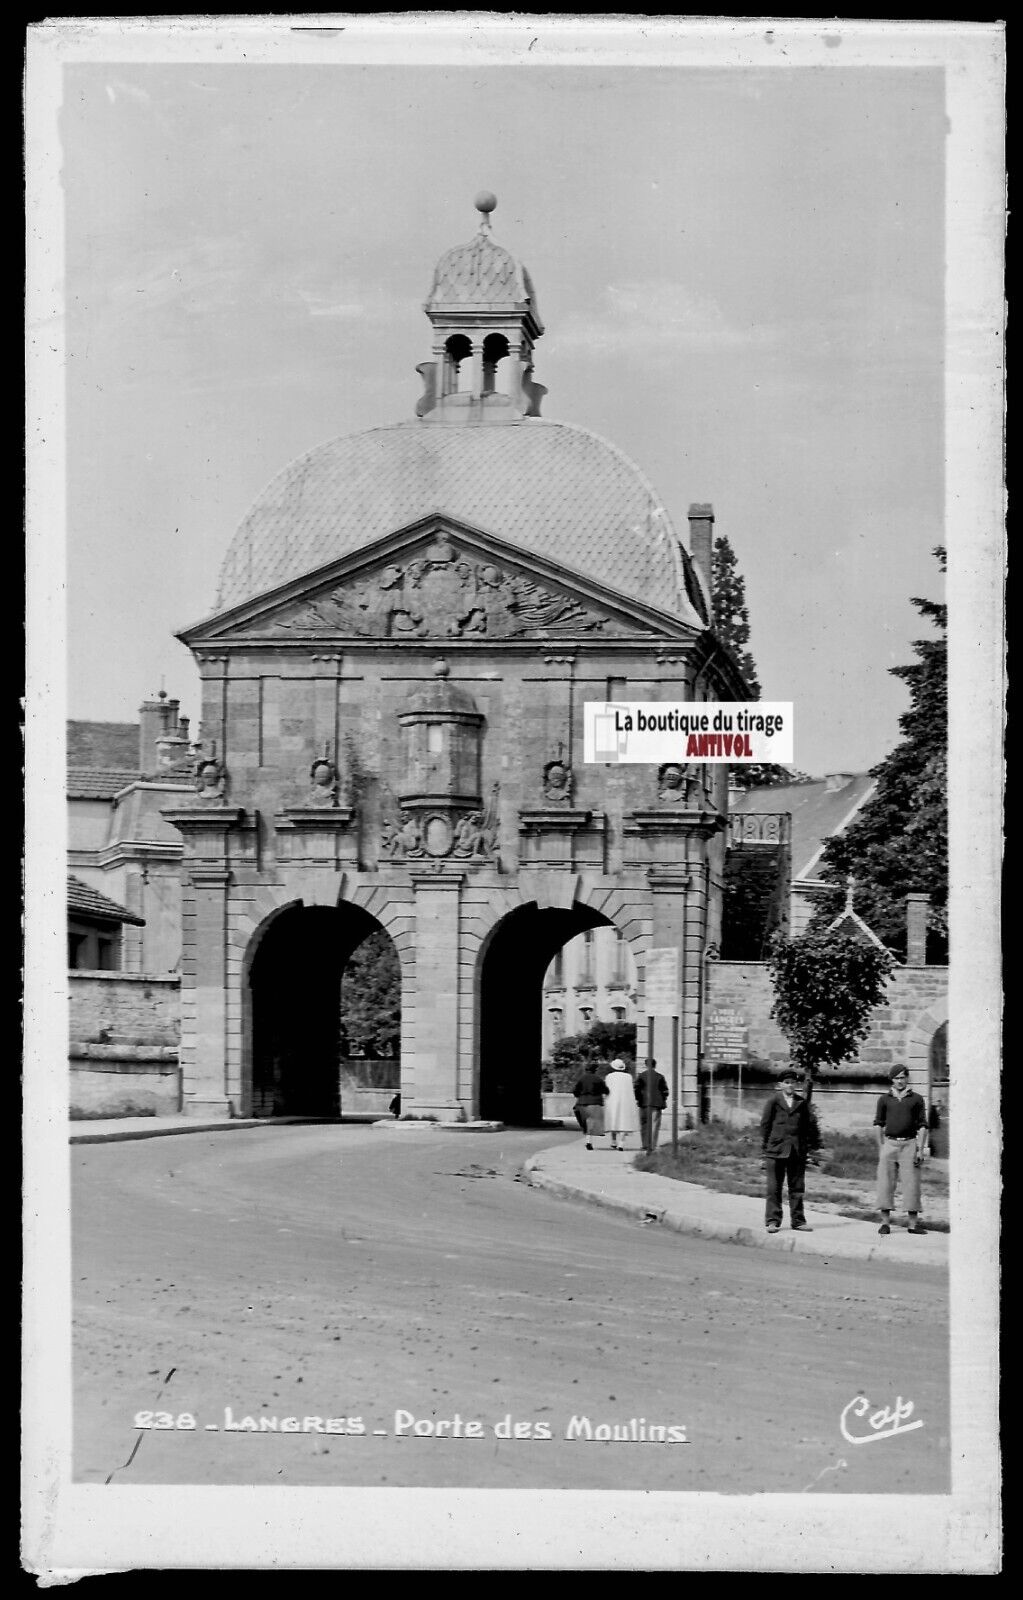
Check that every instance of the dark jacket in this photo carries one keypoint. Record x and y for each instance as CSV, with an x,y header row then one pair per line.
x,y
590,1089
784,1130
659,1097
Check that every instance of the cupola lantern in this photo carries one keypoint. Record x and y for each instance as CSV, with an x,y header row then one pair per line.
x,y
482,307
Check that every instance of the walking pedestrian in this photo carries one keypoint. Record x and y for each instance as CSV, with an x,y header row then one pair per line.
x,y
651,1086
901,1125
784,1136
622,1113
590,1091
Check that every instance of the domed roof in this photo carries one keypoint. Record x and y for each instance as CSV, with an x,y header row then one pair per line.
x,y
481,274
552,490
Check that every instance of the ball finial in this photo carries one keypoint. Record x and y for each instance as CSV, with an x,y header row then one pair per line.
x,y
485,202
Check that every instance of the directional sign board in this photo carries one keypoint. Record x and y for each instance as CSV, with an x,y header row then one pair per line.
x,y
662,983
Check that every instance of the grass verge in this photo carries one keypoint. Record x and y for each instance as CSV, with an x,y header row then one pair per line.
x,y
727,1159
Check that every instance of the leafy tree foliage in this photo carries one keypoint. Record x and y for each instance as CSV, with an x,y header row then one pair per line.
x,y
371,997
766,775
601,1043
898,843
732,626
731,614
825,987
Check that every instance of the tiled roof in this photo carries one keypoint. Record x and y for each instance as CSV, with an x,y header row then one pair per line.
x,y
86,902
90,783
479,274
550,489
818,809
105,745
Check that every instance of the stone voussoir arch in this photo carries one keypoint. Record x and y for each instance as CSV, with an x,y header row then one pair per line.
x,y
919,1035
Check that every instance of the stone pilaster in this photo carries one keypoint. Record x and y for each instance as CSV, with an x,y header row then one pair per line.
x,y
676,926
204,1075
430,1032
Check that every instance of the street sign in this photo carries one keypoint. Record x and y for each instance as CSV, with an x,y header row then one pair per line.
x,y
662,982
726,1039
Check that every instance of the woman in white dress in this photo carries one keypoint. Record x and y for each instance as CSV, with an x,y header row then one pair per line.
x,y
621,1113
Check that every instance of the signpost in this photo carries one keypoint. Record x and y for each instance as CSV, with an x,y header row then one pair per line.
x,y
662,988
726,1043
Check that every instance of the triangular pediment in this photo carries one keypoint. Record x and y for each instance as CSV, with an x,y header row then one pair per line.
x,y
439,581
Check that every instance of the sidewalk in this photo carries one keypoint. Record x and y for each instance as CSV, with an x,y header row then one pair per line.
x,y
607,1178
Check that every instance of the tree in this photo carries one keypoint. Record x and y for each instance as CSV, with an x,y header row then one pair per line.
x,y
603,1041
825,987
371,997
731,624
898,844
731,615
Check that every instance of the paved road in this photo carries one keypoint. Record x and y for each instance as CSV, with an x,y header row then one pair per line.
x,y
334,1273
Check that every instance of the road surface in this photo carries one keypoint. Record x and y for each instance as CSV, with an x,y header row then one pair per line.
x,y
331,1304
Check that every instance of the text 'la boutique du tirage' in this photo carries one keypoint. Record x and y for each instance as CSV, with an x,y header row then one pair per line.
x,y
660,731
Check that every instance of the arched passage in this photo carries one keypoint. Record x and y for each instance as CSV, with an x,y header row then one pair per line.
x,y
513,964
295,992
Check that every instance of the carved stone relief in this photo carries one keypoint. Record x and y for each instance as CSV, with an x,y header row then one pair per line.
x,y
210,779
677,784
557,782
439,833
444,593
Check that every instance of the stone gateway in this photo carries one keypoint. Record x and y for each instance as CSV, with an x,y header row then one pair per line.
x,y
408,624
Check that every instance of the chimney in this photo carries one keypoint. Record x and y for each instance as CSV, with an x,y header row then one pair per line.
x,y
916,929
701,540
157,719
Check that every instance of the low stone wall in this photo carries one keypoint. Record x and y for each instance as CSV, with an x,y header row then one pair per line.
x,y
357,1102
124,1081
842,1106
123,1047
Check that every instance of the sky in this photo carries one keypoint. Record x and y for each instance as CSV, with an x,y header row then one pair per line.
x,y
740,270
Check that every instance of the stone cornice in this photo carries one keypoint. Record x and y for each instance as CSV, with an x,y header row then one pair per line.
x,y
695,824
313,819
553,820
125,852
440,876
668,880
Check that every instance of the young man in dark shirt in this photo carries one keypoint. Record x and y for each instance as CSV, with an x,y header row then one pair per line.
x,y
901,1125
784,1136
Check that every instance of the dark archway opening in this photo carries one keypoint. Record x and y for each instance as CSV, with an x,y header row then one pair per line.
x,y
295,984
511,1019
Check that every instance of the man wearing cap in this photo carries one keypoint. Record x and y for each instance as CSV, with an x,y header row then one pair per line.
x,y
784,1135
901,1124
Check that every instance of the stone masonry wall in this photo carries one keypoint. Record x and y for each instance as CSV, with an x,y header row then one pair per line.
x,y
124,1008
123,1045
900,1031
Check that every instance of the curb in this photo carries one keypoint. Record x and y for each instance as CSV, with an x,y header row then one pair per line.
x,y
229,1125
724,1232
113,1135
